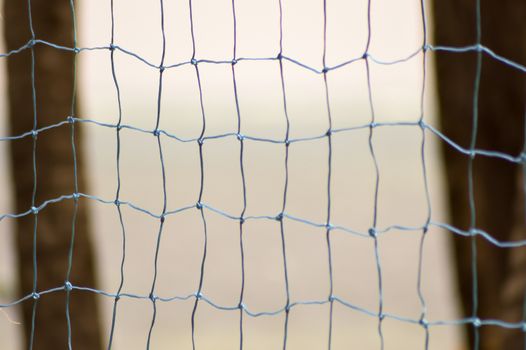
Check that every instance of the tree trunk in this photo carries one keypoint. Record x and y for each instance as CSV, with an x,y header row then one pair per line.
x,y
54,77
498,189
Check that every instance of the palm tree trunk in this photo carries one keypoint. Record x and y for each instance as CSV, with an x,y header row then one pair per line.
x,y
497,186
53,82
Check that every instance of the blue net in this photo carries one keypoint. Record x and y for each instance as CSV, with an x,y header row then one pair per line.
x,y
288,143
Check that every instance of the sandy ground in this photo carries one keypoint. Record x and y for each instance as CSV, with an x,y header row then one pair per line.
x,y
396,97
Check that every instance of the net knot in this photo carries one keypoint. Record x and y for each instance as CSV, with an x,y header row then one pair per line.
x,y
329,226
112,47
287,142
76,50
325,70
199,205
156,132
332,298
162,218
279,217
240,137
242,306
35,296
279,56
381,316
193,61
234,61
200,141
373,125
473,232
34,210
288,307
476,322
31,43
34,133
68,286
199,295
162,68
117,202
76,196
328,133
423,322
241,220
523,327
522,157
372,232
70,119
365,55
152,297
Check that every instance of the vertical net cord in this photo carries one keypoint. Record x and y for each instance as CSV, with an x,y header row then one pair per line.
x,y
329,174
68,286
34,210
286,185
157,135
373,231
199,205
118,169
423,319
473,213
523,164
243,180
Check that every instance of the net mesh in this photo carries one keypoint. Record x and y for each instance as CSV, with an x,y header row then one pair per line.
x,y
288,144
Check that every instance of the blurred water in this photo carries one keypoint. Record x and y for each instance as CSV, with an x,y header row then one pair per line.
x,y
397,32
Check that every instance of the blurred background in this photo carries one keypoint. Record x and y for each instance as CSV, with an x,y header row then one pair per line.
x,y
396,95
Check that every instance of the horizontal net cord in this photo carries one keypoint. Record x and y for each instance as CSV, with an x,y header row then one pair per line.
x,y
521,158
477,322
433,48
374,232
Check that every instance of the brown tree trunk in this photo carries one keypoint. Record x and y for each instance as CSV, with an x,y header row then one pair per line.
x,y
498,189
54,76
